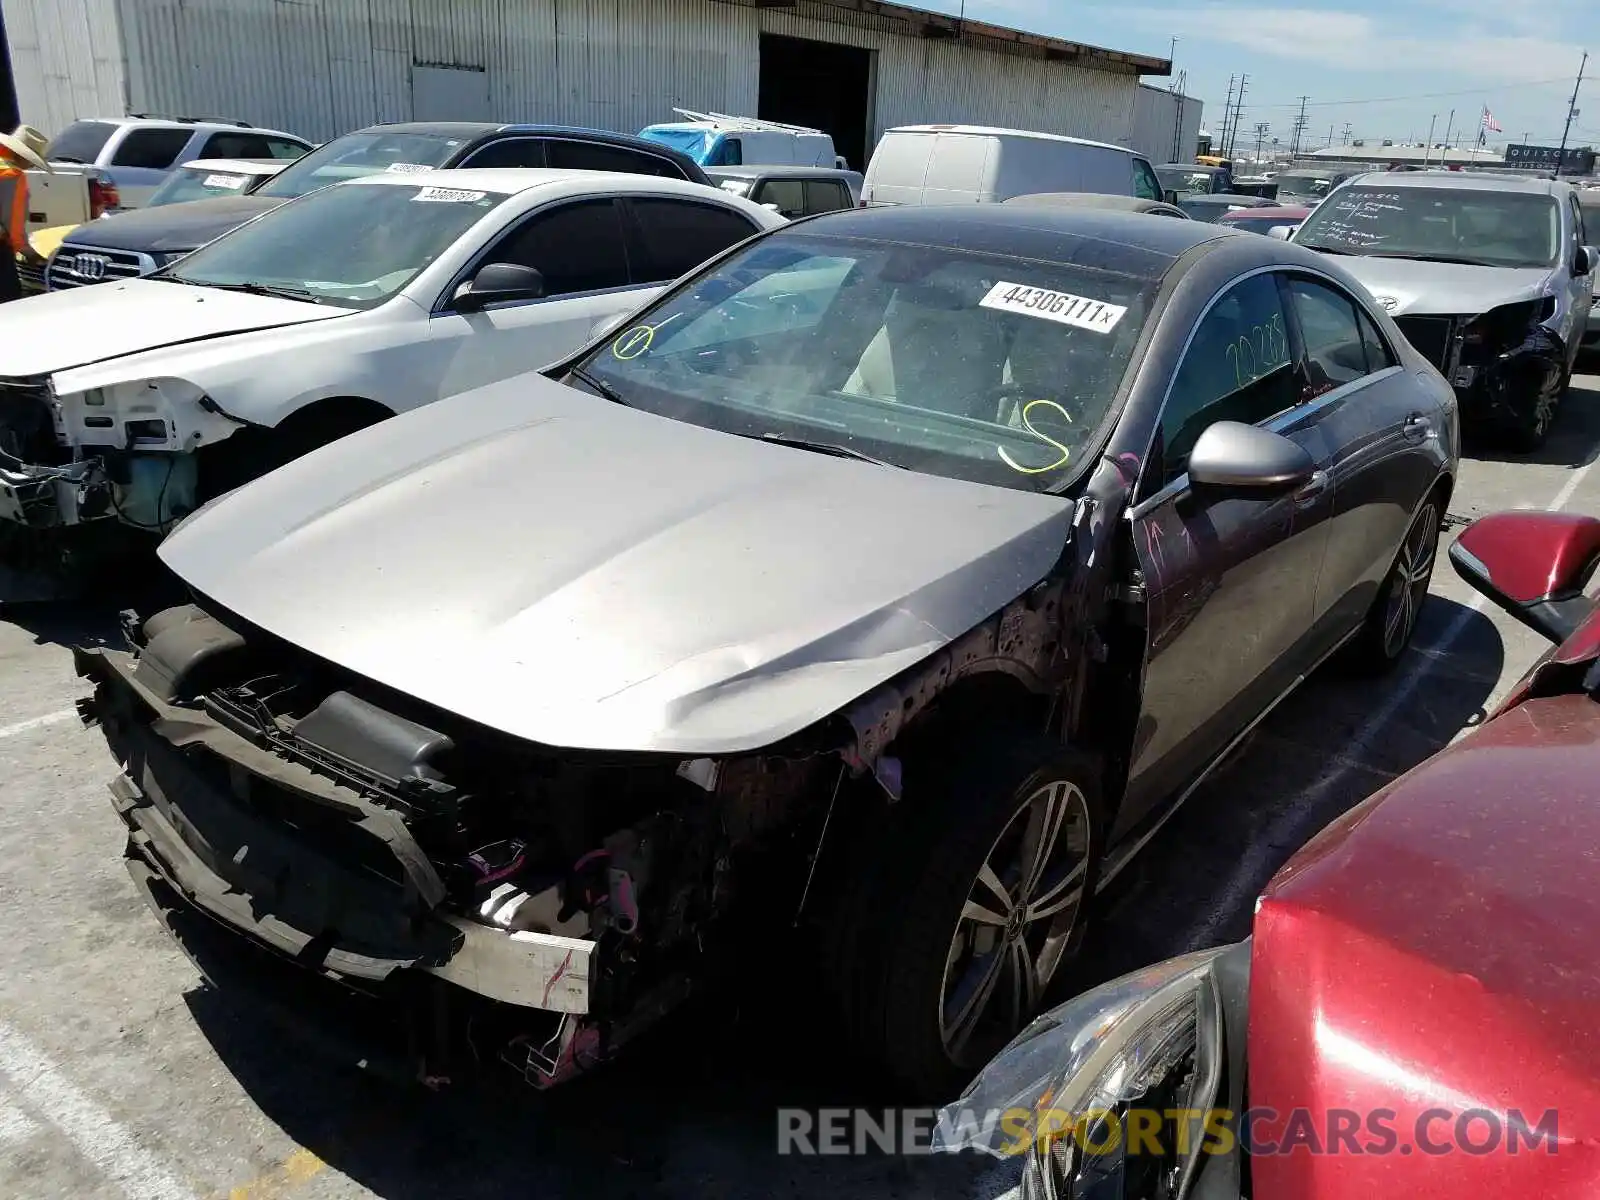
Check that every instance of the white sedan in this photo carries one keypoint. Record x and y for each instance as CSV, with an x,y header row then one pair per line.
x,y
138,400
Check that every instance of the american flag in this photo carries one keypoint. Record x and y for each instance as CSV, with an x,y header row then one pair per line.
x,y
1489,124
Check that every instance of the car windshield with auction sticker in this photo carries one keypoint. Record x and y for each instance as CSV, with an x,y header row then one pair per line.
x,y
352,246
879,349
358,154
1453,225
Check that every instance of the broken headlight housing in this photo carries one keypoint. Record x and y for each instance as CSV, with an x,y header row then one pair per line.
x,y
1114,1093
1506,327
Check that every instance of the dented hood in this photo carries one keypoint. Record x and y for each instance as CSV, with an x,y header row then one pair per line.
x,y
1408,286
582,574
58,330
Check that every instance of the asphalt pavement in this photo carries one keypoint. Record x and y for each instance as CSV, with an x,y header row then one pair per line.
x,y
121,1077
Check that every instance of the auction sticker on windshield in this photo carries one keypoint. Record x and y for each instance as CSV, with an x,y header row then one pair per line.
x,y
225,181
441,195
1082,312
405,168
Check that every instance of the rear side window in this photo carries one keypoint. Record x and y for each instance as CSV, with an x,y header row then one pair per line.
x,y
80,142
592,156
1335,350
679,235
152,149
1379,356
576,247
512,152
788,194
824,196
249,145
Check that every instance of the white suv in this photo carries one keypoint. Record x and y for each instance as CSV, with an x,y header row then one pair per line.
x,y
137,152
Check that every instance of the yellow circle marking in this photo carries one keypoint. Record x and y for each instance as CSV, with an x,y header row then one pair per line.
x,y
1027,423
634,342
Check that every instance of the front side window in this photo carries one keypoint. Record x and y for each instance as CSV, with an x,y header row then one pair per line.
x,y
80,142
353,246
358,154
593,156
1479,227
152,149
1237,368
576,247
788,194
991,368
508,152
1145,184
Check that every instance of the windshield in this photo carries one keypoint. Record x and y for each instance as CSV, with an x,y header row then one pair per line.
x,y
994,369
1184,179
1303,185
358,154
190,183
353,246
1475,226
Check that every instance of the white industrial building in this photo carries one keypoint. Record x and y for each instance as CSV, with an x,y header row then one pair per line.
x,y
321,67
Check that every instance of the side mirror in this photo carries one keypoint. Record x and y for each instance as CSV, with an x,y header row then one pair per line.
x,y
1533,565
496,283
1585,261
1233,455
1170,195
1282,232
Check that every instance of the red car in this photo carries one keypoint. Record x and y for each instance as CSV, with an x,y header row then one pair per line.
x,y
1415,1013
1263,220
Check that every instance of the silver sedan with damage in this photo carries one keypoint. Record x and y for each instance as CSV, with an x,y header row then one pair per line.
x,y
894,576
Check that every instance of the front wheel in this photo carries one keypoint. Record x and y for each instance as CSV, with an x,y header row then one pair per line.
x,y
957,939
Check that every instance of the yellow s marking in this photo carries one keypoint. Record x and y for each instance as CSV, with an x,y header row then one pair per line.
x,y
1027,423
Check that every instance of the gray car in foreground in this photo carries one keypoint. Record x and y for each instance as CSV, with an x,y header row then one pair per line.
x,y
893,577
1490,277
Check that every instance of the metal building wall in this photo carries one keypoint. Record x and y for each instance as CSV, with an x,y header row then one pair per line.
x,y
1166,125
320,67
66,60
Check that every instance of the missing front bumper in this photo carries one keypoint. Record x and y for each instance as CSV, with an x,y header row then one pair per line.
x,y
282,892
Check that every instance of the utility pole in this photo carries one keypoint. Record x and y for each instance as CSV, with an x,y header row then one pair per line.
x,y
1572,113
1221,146
1427,151
1261,136
1347,129
1238,115
1330,137
1299,126
1444,155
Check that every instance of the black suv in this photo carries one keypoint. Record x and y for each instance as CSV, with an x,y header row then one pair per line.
x,y
139,242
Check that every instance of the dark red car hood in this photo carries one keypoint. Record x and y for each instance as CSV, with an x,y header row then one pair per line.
x,y
1439,948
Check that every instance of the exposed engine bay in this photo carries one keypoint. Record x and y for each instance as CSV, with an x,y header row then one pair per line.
x,y
1497,360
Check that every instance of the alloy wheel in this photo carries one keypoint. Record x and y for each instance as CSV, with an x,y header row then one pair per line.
x,y
1016,924
1408,584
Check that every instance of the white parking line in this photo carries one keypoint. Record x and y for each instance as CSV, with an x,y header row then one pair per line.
x,y
16,1126
55,718
98,1135
1265,846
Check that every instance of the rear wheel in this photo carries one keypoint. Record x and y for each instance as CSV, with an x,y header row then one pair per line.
x,y
949,946
1392,620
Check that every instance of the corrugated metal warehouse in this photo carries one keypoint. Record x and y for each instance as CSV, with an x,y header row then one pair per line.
x,y
321,67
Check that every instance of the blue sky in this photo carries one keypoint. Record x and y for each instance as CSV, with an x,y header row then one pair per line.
x,y
1520,59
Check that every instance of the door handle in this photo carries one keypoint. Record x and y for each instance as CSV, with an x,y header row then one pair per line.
x,y
1417,426
1312,488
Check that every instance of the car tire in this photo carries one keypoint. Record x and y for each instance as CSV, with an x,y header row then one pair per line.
x,y
1527,430
909,944
1392,620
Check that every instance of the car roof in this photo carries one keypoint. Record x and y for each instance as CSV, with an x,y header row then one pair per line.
x,y
1132,243
215,125
992,131
1238,200
794,170
511,181
1137,204
1464,181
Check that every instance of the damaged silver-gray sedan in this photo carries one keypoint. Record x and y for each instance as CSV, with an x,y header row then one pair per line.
x,y
1490,277
894,577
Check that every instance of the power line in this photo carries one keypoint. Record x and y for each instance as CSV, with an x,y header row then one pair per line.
x,y
1422,95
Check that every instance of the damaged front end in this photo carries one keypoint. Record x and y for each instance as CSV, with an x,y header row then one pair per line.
x,y
1506,364
496,898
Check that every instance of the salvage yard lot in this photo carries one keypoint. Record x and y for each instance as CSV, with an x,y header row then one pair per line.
x,y
119,1076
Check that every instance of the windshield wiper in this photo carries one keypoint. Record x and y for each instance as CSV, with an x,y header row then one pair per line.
x,y
253,288
1328,249
606,391
1438,258
833,448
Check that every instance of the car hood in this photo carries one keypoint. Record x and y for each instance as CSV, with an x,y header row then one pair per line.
x,y
58,330
582,574
1450,288
172,228
1457,901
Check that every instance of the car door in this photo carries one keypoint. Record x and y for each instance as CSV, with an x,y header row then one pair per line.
x,y
1381,428
1581,296
580,248
1230,577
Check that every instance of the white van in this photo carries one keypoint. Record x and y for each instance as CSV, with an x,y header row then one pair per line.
x,y
969,164
718,140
